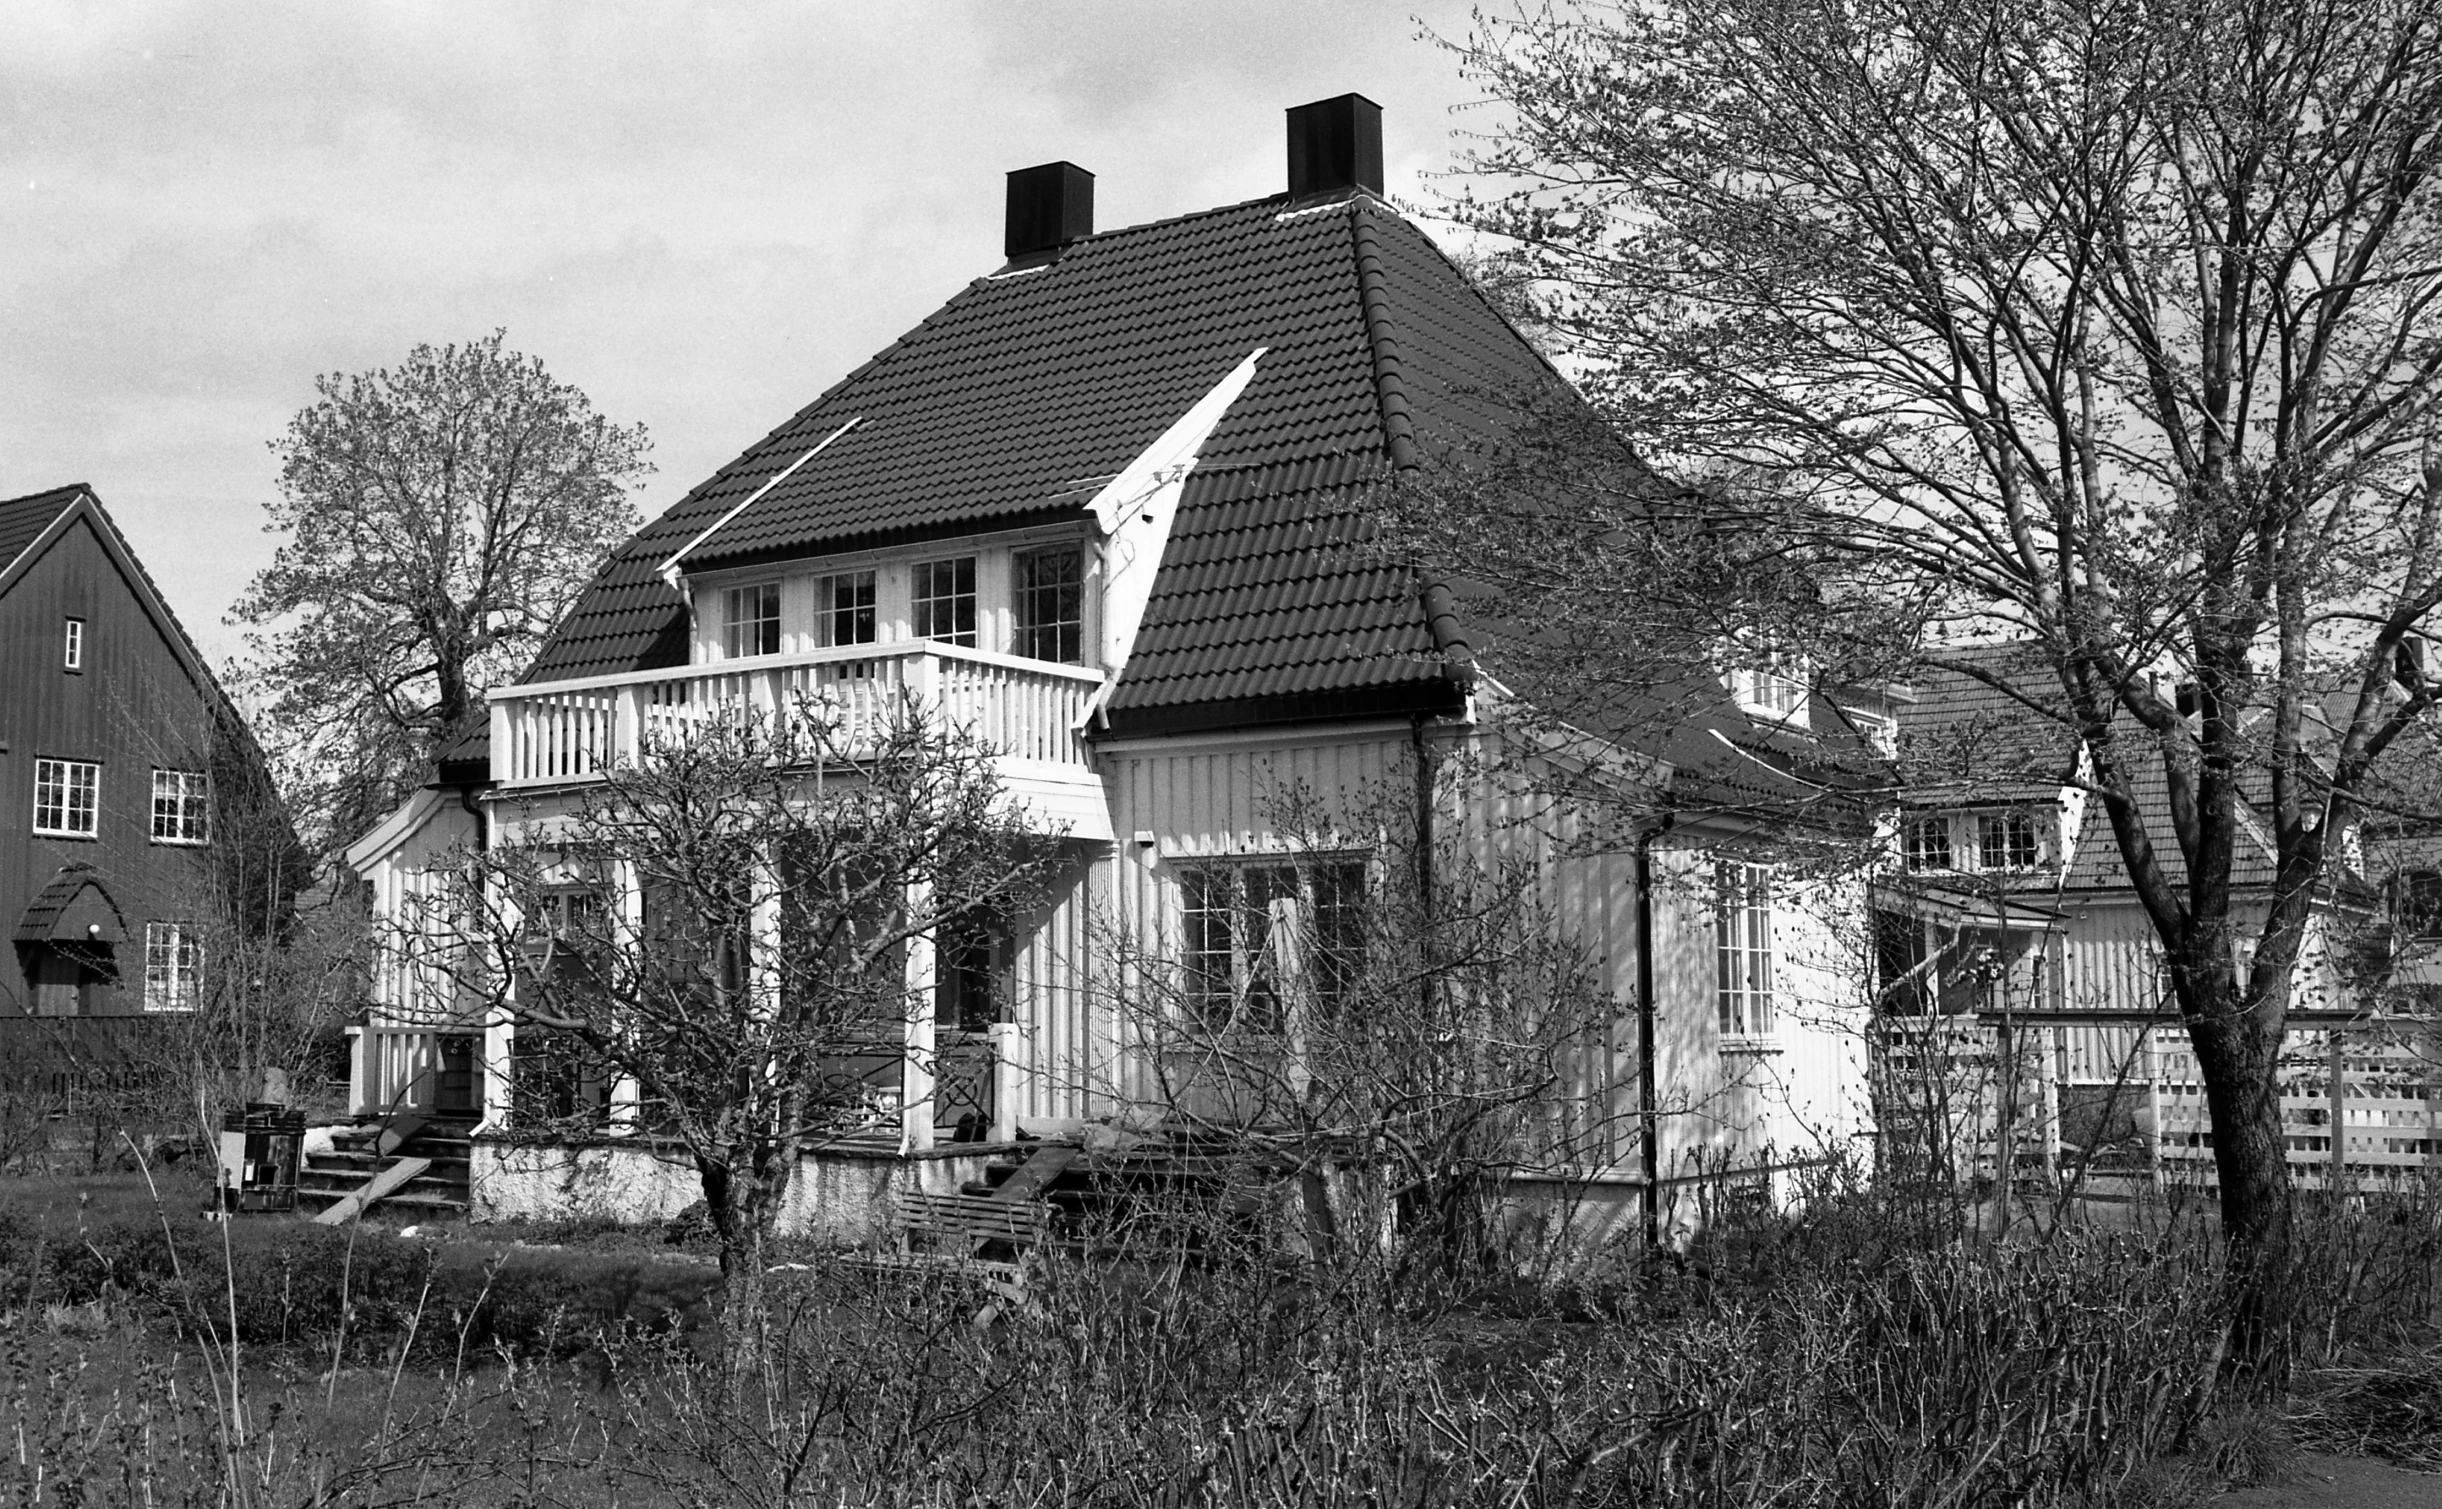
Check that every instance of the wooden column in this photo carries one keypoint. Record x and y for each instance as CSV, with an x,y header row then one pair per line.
x,y
916,1112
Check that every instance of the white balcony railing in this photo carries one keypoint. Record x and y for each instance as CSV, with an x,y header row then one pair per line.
x,y
554,732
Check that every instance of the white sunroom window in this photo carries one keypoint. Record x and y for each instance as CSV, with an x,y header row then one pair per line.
x,y
1742,928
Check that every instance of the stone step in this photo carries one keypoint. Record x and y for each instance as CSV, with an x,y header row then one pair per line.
x,y
410,1197
368,1162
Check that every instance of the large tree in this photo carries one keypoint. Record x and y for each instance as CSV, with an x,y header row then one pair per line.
x,y
440,515
2107,326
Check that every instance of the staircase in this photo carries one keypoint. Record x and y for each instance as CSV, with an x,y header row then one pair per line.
x,y
438,1193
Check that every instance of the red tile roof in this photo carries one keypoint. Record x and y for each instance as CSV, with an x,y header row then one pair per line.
x,y
1015,399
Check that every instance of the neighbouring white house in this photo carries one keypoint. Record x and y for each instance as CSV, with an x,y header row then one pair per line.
x,y
1108,508
2016,965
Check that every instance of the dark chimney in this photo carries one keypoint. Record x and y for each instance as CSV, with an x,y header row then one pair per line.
x,y
1335,145
1049,207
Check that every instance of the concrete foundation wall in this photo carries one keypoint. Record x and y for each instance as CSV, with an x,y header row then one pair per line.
x,y
843,1197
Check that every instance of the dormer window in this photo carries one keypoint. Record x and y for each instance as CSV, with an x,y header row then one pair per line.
x,y
2008,841
1771,687
942,601
845,605
1051,605
1925,842
750,621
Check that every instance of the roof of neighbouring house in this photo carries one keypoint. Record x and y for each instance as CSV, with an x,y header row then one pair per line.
x,y
22,520
1014,401
1967,742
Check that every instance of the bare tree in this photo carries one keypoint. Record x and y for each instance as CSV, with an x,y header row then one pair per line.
x,y
707,943
2109,328
441,517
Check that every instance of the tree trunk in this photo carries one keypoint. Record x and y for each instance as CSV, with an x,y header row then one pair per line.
x,y
2238,1055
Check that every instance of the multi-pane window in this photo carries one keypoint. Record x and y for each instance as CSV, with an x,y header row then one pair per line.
x,y
1926,842
1742,927
942,601
750,624
173,966
1231,951
72,651
846,611
2007,841
181,807
1051,605
67,798
1903,979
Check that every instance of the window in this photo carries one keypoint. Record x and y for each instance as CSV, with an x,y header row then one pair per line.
x,y
1903,980
1926,843
181,801
2006,841
1742,927
2416,903
846,608
750,625
944,600
67,798
1051,605
72,655
173,966
1772,687
1231,957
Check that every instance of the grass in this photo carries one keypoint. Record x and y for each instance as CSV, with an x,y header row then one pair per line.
x,y
1860,1354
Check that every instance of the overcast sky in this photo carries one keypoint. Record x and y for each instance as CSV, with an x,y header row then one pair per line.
x,y
701,215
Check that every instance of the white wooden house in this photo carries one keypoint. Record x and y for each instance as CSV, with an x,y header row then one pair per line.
x,y
2016,964
1107,507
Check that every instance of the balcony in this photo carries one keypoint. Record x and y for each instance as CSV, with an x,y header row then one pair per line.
x,y
1028,712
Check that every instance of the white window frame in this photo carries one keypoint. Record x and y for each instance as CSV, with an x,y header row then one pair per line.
x,y
1917,853
189,793
72,650
1232,986
65,778
1771,686
173,966
1024,630
736,619
865,615
2014,857
921,601
1743,953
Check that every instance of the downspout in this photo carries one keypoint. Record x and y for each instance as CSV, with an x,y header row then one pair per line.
x,y
1648,1100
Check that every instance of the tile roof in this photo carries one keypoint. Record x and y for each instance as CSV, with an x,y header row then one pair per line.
x,y
1013,400
23,519
1966,743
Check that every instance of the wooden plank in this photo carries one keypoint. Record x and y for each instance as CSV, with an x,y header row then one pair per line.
x,y
1036,1174
397,1132
380,1184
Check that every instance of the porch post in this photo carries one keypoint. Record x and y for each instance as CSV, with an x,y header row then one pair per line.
x,y
627,899
360,1071
916,1111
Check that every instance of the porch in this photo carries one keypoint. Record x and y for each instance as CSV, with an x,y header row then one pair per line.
x,y
962,1089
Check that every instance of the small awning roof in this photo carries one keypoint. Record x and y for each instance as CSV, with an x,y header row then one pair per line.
x,y
73,908
1963,907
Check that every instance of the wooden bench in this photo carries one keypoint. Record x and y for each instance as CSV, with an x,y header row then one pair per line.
x,y
966,1224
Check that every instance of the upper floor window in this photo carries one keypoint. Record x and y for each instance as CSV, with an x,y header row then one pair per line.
x,y
750,621
942,601
182,802
1742,933
1051,605
173,966
72,651
2416,903
2007,841
1771,685
1234,956
67,798
1926,842
845,604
